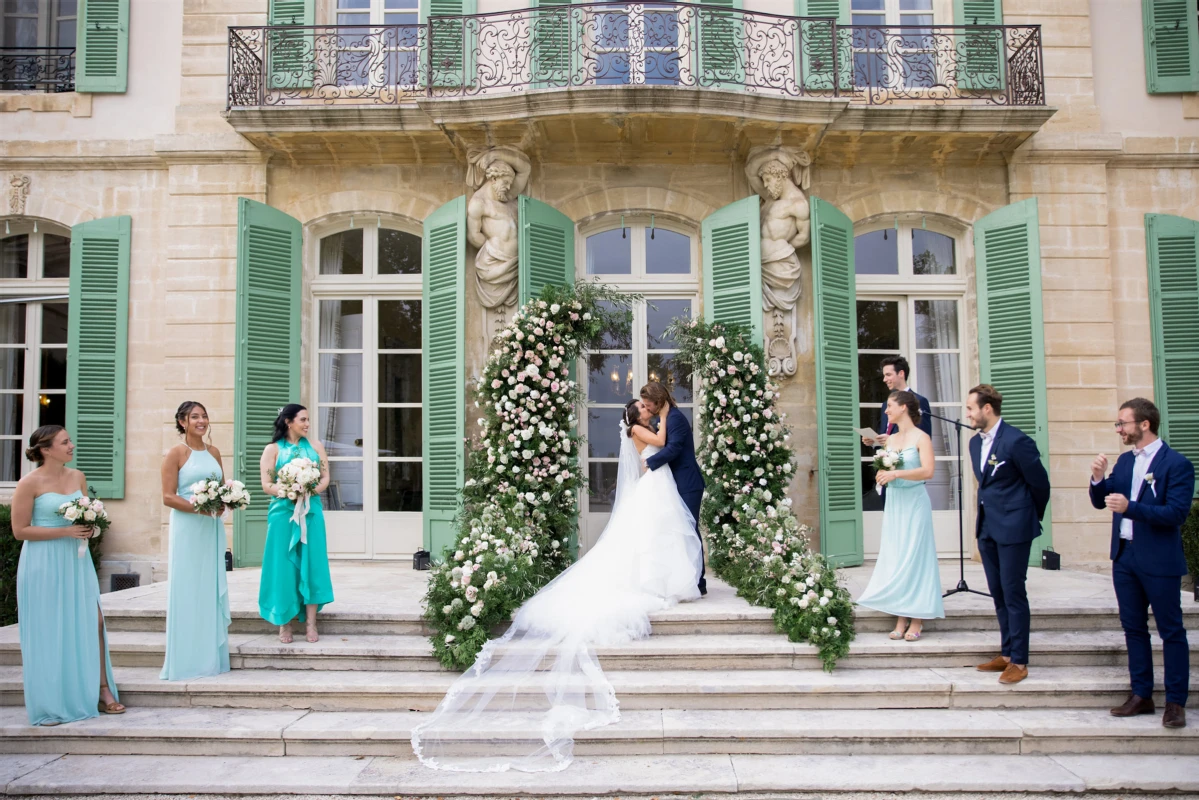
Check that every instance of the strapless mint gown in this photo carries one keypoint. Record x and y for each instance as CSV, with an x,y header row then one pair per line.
x,y
197,594
58,605
294,574
906,581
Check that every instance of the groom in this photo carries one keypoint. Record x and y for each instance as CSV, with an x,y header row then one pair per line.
x,y
679,453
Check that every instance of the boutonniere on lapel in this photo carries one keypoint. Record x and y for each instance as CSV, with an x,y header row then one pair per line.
x,y
1150,480
994,463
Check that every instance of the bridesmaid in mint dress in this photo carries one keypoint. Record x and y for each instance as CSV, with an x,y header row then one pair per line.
x,y
906,581
64,647
295,575
197,594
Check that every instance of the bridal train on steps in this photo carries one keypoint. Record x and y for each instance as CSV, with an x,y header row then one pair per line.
x,y
528,693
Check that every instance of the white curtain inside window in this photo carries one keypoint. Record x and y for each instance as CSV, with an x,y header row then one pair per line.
x,y
330,337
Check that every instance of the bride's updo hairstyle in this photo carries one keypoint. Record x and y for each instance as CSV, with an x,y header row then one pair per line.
x,y
632,416
909,402
42,438
286,415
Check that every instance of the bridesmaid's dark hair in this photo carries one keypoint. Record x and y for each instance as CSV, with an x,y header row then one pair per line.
x,y
286,415
185,409
41,438
907,400
632,416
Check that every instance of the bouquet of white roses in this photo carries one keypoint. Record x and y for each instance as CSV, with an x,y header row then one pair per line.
x,y
235,495
88,512
887,460
297,481
212,497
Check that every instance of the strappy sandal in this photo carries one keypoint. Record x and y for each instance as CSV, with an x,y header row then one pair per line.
x,y
109,708
895,635
911,637
311,634
285,637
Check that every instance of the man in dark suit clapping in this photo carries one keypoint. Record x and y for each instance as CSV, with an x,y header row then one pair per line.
x,y
1149,494
1013,493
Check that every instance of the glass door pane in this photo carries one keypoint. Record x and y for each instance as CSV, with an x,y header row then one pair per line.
x,y
399,405
879,335
339,401
937,376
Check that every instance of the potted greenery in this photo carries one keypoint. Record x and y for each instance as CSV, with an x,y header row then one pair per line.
x,y
1190,547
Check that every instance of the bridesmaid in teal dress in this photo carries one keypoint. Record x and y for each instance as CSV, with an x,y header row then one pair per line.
x,y
64,647
906,581
295,575
197,594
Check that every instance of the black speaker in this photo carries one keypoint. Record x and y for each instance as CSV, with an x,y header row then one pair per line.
x,y
129,580
228,561
420,559
1050,559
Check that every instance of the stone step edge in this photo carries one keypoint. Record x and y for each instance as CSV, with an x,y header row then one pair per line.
x,y
624,776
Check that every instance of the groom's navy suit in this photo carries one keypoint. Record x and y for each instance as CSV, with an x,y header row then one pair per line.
x,y
1148,567
1013,493
679,453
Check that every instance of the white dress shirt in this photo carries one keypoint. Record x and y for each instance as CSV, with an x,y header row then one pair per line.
x,y
1140,465
988,438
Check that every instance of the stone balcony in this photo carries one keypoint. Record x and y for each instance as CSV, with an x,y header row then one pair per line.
x,y
633,83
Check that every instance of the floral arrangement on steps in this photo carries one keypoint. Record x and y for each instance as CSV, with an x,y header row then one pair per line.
x,y
520,498
754,541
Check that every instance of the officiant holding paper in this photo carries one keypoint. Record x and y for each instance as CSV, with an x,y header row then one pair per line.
x,y
895,374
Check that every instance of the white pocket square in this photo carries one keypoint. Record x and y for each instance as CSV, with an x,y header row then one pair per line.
x,y
996,468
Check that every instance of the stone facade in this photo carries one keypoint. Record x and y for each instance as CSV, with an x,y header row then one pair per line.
x,y
167,153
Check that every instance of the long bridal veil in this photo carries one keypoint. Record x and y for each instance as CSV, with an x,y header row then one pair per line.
x,y
528,693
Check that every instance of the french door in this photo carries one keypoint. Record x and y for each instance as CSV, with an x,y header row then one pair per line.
x,y
615,374
928,332
368,413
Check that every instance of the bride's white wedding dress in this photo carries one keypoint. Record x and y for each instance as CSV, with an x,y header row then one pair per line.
x,y
530,691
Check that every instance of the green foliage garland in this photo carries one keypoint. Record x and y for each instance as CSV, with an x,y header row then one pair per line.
x,y
1190,543
520,498
755,543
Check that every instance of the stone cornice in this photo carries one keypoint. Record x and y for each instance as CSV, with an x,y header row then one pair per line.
x,y
158,153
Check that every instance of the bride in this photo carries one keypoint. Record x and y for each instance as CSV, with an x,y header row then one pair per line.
x,y
530,691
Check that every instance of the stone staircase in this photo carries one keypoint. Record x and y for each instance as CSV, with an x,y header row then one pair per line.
x,y
713,686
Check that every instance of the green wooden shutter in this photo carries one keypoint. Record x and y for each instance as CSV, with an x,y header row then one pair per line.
x,y
102,50
722,44
815,42
291,53
733,265
840,469
266,372
453,40
1171,45
1011,328
97,345
1172,256
443,362
547,248
555,59
981,53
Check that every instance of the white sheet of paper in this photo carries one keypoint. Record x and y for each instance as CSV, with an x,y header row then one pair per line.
x,y
867,433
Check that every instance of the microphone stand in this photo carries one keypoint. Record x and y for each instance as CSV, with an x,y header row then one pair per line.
x,y
962,586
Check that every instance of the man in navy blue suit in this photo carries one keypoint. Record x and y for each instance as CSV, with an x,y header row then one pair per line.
x,y
1013,493
679,453
1149,494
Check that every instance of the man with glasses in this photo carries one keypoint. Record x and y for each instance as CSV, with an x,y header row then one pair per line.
x,y
1149,494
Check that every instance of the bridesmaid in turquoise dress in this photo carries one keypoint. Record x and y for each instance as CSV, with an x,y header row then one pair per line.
x,y
295,575
197,594
64,647
906,581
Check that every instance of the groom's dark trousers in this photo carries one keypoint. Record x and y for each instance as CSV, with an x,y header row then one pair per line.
x,y
679,453
1013,493
1147,569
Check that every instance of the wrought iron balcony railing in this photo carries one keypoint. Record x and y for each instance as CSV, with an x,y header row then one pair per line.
x,y
37,69
620,43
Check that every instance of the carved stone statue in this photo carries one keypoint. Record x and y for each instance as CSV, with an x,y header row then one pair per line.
x,y
18,192
780,175
497,175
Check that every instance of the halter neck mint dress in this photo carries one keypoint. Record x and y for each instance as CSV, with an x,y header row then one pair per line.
x,y
906,581
58,606
294,574
197,594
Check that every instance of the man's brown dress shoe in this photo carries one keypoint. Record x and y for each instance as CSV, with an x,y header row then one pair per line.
x,y
1013,674
1135,704
1175,716
996,664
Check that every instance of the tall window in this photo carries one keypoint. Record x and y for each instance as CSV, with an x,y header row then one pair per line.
x,y
894,58
910,297
659,264
359,61
369,392
35,263
38,23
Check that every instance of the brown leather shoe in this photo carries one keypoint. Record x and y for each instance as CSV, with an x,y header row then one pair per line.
x,y
1135,704
996,664
1175,716
1013,674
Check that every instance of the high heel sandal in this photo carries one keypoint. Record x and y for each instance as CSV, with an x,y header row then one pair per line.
x,y
895,635
285,636
109,708
311,634
911,637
